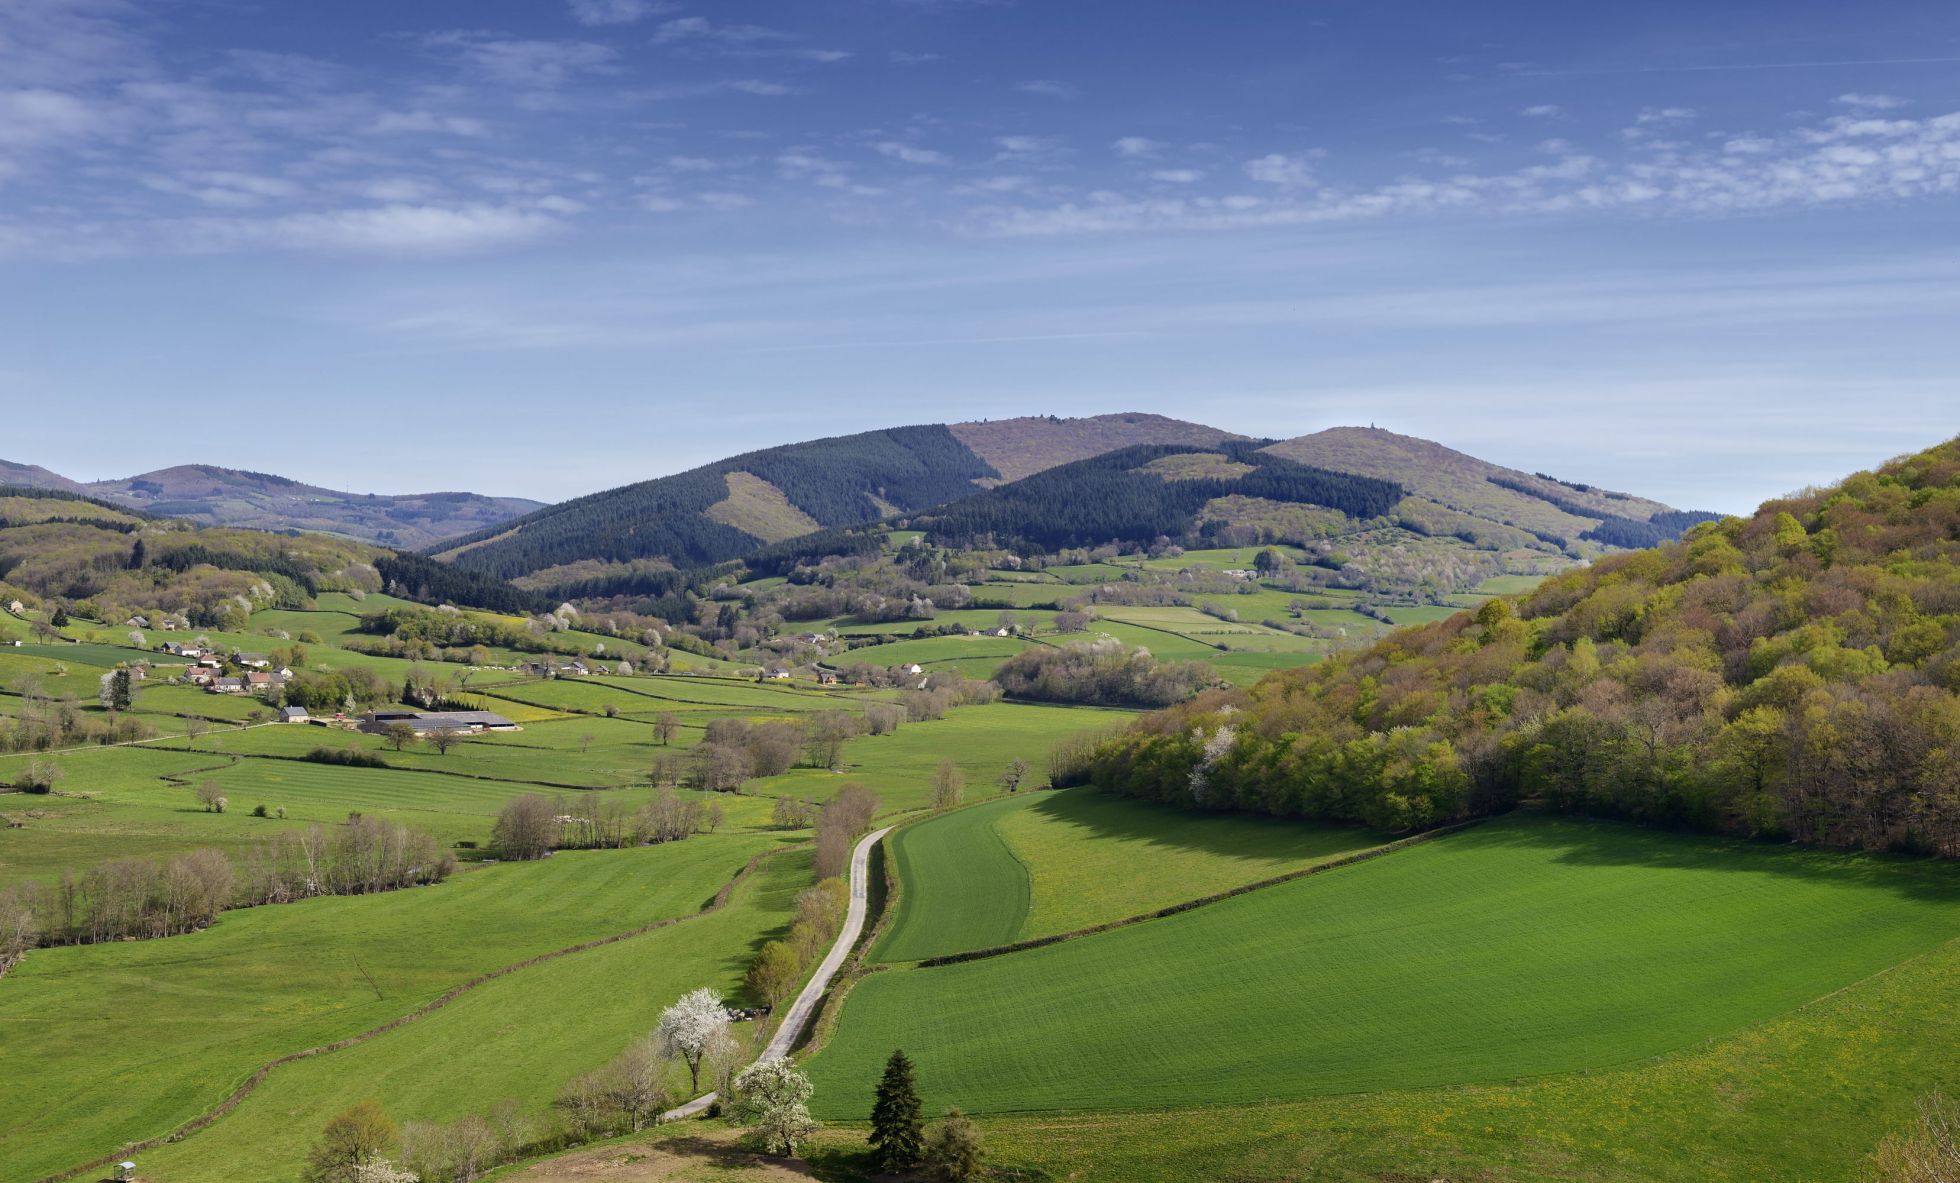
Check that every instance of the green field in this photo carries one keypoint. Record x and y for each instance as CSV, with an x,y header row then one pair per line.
x,y
1525,947
1044,863
963,887
521,1036
265,981
982,740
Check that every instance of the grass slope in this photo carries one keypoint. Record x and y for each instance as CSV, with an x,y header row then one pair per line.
x,y
1045,863
98,1072
964,889
520,1036
1525,947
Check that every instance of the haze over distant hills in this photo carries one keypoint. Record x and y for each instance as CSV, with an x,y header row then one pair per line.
x,y
215,496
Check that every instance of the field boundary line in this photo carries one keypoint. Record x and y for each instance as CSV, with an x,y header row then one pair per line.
x,y
1373,852
239,1095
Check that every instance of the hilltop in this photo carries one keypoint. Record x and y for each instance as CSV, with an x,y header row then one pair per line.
x,y
214,496
735,507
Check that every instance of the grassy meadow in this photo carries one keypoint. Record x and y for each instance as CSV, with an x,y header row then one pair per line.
x,y
1038,864
263,982
1522,948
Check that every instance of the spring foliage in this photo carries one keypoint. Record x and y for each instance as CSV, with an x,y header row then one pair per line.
x,y
1791,675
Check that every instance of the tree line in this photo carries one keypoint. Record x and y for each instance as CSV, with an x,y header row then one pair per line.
x,y
145,898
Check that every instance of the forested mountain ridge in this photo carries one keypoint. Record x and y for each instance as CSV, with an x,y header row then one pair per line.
x,y
214,496
1138,495
734,507
1794,674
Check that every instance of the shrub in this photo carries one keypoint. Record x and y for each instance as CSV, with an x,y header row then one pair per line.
x,y
351,757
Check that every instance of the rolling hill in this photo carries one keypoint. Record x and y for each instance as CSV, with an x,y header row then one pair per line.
x,y
1450,491
734,507
213,496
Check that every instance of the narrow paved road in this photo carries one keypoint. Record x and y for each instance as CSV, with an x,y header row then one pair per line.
x,y
799,1012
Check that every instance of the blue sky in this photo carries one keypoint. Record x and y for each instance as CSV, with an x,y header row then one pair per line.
x,y
1701,252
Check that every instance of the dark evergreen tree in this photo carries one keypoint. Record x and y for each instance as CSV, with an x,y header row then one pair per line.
x,y
897,1133
122,691
60,617
136,556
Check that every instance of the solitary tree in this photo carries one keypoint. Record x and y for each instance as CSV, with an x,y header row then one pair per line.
x,y
444,736
585,742
948,785
774,1103
1016,773
194,726
398,735
953,1148
897,1134
691,1028
666,725
359,1137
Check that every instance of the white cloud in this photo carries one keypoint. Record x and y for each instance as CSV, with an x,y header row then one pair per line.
x,y
41,116
1543,111
425,121
724,201
757,86
1013,147
1048,88
1136,146
537,64
616,12
1278,169
692,164
1178,176
1845,159
1873,102
912,155
698,28
392,230
900,57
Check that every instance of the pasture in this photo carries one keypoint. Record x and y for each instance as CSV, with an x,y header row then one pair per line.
x,y
262,982
1800,1099
521,1036
1038,864
1525,947
981,740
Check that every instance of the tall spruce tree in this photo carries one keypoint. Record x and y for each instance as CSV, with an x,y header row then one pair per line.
x,y
896,1130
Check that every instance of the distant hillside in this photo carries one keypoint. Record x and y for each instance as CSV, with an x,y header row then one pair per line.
x,y
111,564
214,496
735,507
1790,675
1447,487
1025,446
1137,495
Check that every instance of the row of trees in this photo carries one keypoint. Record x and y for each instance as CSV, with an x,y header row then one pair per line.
x,y
533,825
780,964
1104,672
159,897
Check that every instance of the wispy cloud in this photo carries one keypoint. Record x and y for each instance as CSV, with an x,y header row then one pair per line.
x,y
1048,88
523,62
912,154
1137,146
1873,102
616,12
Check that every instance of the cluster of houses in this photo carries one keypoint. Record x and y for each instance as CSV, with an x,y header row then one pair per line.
x,y
256,676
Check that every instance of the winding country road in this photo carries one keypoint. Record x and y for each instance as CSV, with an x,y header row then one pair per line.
x,y
798,1015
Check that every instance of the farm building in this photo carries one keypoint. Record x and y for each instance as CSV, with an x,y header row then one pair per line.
x,y
257,661
423,722
292,714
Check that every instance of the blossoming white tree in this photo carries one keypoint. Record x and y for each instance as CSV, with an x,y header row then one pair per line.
x,y
773,1100
693,1028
